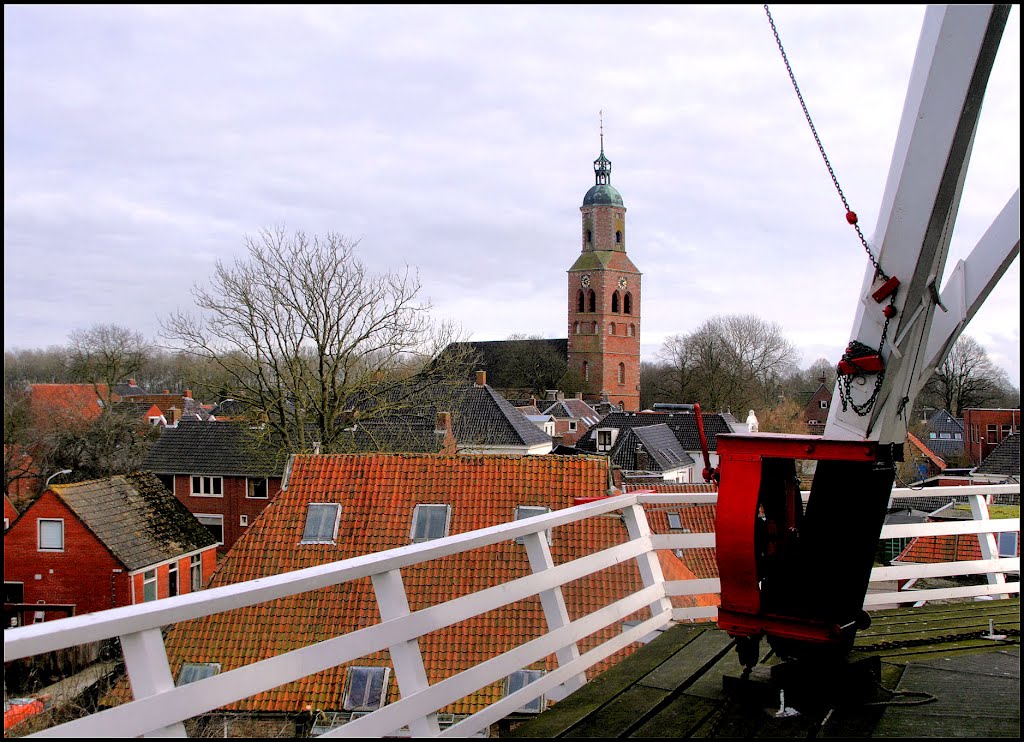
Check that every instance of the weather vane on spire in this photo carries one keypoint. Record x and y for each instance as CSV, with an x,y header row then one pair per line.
x,y
600,116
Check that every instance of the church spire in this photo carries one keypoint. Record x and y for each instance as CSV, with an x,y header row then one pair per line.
x,y
602,165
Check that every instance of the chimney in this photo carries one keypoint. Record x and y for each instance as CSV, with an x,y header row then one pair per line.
x,y
167,391
559,396
481,378
579,396
443,429
131,382
552,394
187,394
172,416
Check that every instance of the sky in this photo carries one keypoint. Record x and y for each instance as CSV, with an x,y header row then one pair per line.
x,y
143,143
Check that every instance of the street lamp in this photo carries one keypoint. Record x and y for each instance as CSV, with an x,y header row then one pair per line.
x,y
56,474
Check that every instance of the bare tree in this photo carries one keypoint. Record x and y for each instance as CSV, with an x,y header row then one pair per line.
x,y
300,328
967,378
729,362
106,354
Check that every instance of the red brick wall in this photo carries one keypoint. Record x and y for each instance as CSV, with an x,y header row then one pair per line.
x,y
977,441
232,505
83,574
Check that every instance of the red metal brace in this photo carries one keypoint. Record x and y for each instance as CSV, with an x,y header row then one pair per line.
x,y
792,573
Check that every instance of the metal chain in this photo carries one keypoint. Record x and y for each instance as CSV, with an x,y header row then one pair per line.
x,y
851,217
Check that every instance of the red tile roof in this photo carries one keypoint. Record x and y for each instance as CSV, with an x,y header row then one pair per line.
x,y
377,493
61,404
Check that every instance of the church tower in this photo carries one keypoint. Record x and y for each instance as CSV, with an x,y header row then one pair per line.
x,y
604,299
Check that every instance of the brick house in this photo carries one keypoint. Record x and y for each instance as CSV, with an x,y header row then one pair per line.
x,y
816,409
323,516
10,512
101,544
220,471
573,418
985,429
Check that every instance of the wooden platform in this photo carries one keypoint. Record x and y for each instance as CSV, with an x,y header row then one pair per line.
x,y
939,677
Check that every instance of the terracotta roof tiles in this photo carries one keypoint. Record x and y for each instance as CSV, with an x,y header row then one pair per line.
x,y
377,494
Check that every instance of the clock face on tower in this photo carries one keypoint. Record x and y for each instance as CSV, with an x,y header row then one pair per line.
x,y
584,280
622,282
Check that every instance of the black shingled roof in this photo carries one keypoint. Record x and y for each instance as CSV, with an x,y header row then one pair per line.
x,y
1004,459
484,417
219,448
683,424
658,441
136,517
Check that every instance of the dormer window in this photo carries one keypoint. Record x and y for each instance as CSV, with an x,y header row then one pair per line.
x,y
430,522
321,523
529,511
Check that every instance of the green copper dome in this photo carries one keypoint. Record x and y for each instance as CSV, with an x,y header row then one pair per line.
x,y
602,194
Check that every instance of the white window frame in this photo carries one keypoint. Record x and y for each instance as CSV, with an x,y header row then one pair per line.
x,y
519,514
243,521
334,529
368,673
218,516
204,669
610,435
520,679
204,480
195,572
149,581
572,426
416,519
39,534
172,569
823,404
266,488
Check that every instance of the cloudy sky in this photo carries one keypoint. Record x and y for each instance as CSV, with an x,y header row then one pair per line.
x,y
141,144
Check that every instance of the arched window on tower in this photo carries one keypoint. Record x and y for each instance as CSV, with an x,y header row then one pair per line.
x,y
586,371
627,303
615,302
618,237
622,373
590,237
580,301
632,330
592,301
593,328
575,328
611,328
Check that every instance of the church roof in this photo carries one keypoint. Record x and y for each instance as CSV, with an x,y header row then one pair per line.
x,y
602,194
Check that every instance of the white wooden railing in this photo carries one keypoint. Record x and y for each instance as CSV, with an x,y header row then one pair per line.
x,y
160,708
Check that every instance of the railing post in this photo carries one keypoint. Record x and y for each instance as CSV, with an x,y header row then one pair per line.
x,y
145,660
555,613
650,567
405,656
987,541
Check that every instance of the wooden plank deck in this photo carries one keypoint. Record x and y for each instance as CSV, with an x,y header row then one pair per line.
x,y
939,676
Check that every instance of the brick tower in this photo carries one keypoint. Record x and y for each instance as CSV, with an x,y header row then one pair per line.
x,y
604,299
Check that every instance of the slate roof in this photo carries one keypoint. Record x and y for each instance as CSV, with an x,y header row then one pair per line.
x,y
484,417
219,448
377,493
572,409
683,424
492,354
187,406
1004,459
129,389
658,441
945,428
394,434
228,408
136,517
